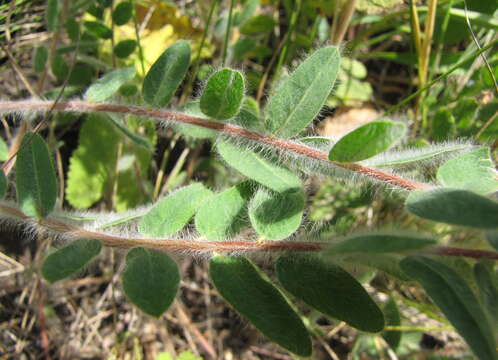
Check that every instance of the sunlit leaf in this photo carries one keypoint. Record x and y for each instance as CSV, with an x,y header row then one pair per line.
x,y
122,13
109,84
125,48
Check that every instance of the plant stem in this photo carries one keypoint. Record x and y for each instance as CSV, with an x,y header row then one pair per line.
x,y
228,32
229,129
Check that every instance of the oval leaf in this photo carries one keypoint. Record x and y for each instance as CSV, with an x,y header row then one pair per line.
x,y
109,84
381,243
224,214
367,141
223,94
454,206
254,166
125,48
150,280
331,290
173,212
473,171
36,183
166,74
241,284
298,100
40,58
122,13
276,216
98,29
457,302
52,15
70,259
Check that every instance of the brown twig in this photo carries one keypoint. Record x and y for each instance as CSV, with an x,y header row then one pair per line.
x,y
229,129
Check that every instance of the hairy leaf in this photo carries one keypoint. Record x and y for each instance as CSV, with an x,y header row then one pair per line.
x,y
381,243
331,290
225,213
367,141
454,206
254,166
170,214
70,259
487,282
242,285
150,280
36,183
166,74
276,215
457,302
109,84
223,94
473,171
300,96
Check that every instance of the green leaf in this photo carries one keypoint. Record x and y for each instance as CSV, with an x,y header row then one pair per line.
x,y
70,259
170,214
40,58
492,238
367,141
331,290
443,125
73,30
52,15
276,216
125,48
488,290
166,74
300,96
81,75
98,29
224,214
59,67
380,243
454,206
135,138
109,84
3,184
92,161
4,150
192,131
457,302
122,13
223,94
393,318
255,167
420,154
150,280
473,171
258,24
318,142
36,183
248,10
242,285
387,263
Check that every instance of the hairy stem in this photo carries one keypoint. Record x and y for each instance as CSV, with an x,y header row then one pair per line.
x,y
229,129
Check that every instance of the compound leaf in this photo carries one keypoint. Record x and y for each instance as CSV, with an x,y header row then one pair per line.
x,y
241,284
70,259
150,280
36,183
223,94
174,211
125,48
457,302
166,74
367,141
255,167
454,206
98,29
331,290
300,96
381,243
473,171
276,215
224,214
109,84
